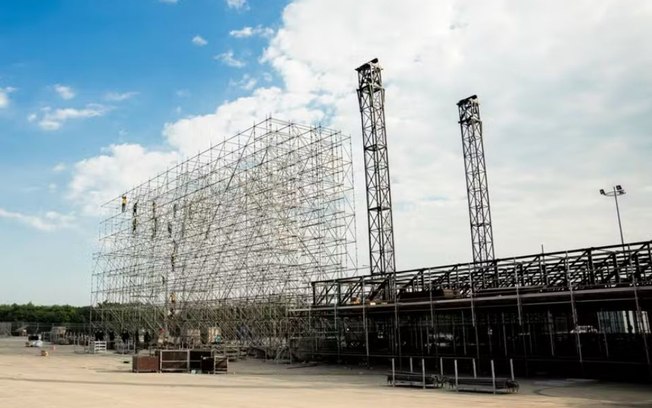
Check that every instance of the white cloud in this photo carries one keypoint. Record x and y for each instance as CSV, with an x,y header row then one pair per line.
x,y
119,96
237,4
247,31
53,119
564,105
59,167
182,93
247,82
4,96
199,41
49,221
169,1
552,109
4,99
196,133
98,179
65,92
229,59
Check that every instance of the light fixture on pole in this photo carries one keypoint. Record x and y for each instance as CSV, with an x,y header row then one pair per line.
x,y
615,192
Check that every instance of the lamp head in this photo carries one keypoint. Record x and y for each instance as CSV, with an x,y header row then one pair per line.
x,y
602,191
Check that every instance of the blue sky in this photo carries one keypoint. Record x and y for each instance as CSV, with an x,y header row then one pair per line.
x,y
101,47
101,52
97,96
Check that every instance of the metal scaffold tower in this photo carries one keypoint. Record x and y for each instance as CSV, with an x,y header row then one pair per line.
x,y
371,97
482,240
228,241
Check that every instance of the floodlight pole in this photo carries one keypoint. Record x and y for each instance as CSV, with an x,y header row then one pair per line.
x,y
620,225
615,192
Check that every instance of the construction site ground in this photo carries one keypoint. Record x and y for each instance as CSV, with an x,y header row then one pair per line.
x,y
69,378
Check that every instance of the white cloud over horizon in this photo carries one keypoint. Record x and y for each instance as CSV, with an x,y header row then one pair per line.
x,y
564,101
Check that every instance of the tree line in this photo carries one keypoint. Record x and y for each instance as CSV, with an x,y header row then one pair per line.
x,y
44,314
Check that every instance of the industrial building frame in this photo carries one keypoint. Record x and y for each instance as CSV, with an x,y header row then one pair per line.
x,y
583,312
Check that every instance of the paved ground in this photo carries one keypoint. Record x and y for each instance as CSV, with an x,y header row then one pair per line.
x,y
68,379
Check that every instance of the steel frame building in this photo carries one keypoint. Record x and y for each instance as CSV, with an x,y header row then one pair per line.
x,y
227,241
582,312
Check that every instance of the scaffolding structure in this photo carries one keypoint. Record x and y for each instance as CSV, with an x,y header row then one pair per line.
x,y
477,187
371,98
226,242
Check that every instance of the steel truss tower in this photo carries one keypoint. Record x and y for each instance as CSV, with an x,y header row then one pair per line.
x,y
371,97
226,242
482,239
